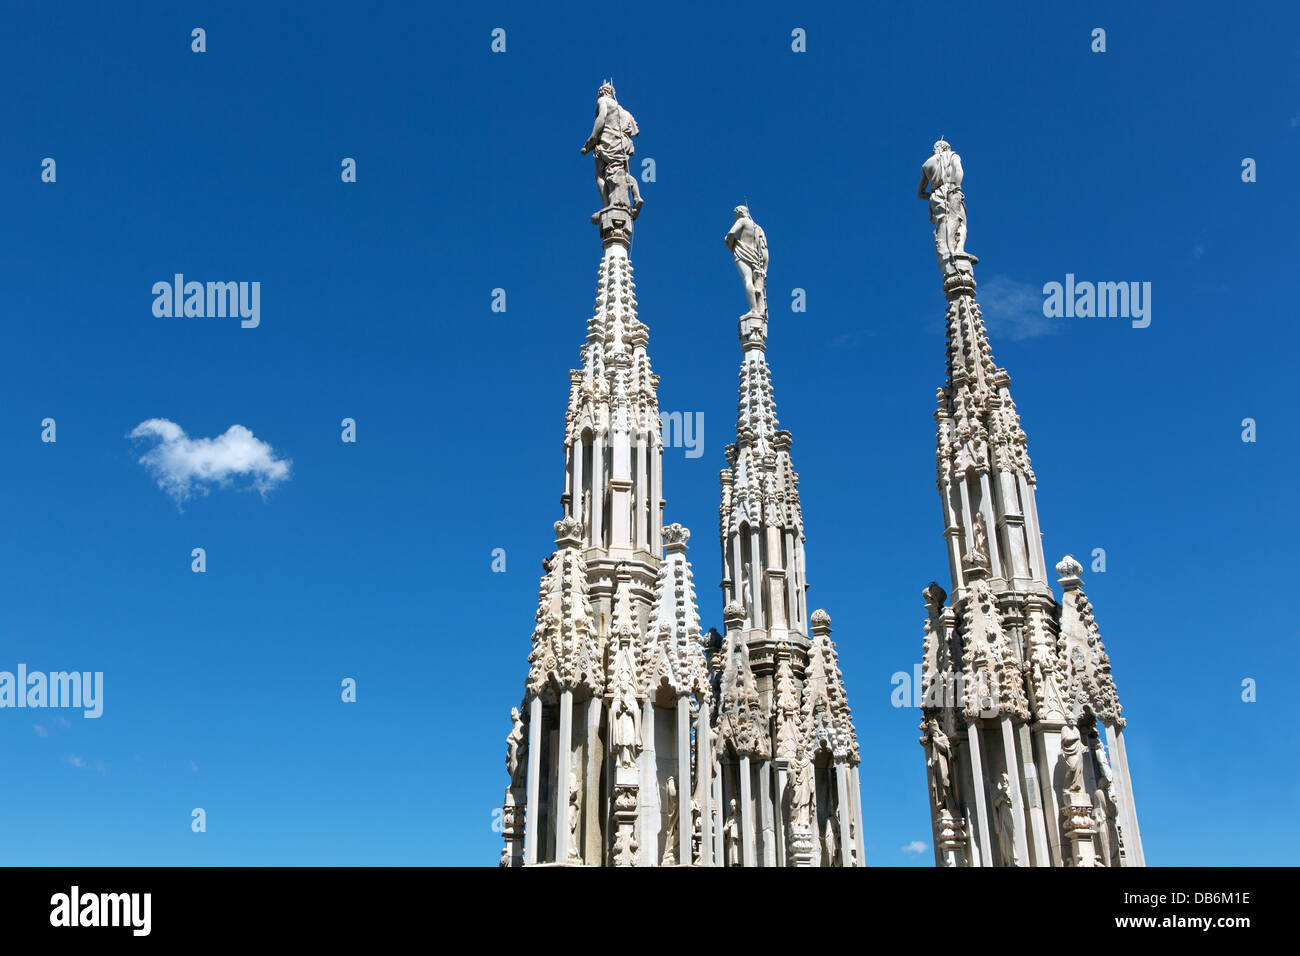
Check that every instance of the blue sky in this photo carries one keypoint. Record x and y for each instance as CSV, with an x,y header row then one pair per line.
x,y
373,560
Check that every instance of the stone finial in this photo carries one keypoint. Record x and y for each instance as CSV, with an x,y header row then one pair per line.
x,y
567,529
821,622
1069,570
675,535
733,615
934,596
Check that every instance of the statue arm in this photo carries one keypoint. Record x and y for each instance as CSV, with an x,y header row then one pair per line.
x,y
597,129
921,192
730,237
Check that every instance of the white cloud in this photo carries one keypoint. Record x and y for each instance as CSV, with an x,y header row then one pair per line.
x,y
1013,310
40,731
194,767
74,760
186,466
916,846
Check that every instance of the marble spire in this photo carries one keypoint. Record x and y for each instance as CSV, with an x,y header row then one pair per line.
x,y
617,697
1014,683
783,724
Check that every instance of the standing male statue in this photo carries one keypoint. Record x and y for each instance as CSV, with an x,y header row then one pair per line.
x,y
575,806
748,243
831,837
942,173
673,809
980,551
624,733
940,767
731,834
801,793
1005,822
1072,756
1104,815
516,748
611,139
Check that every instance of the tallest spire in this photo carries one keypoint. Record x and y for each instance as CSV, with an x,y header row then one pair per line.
x,y
609,753
1021,723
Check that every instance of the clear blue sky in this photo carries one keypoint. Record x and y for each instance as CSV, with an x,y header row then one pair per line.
x,y
373,560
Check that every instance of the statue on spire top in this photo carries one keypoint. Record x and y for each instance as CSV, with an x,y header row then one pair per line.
x,y
942,173
611,140
748,243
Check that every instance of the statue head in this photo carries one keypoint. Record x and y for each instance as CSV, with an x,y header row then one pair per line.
x,y
941,146
741,212
606,89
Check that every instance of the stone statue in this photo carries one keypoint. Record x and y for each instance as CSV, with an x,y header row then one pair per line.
x,y
942,174
980,550
731,832
801,792
748,243
611,140
1005,822
1072,754
575,856
625,734
1104,815
672,806
749,590
830,838
941,767
516,748
697,829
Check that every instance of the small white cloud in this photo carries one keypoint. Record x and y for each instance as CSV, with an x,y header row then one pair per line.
x,y
194,766
40,731
186,466
1014,310
916,846
74,760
